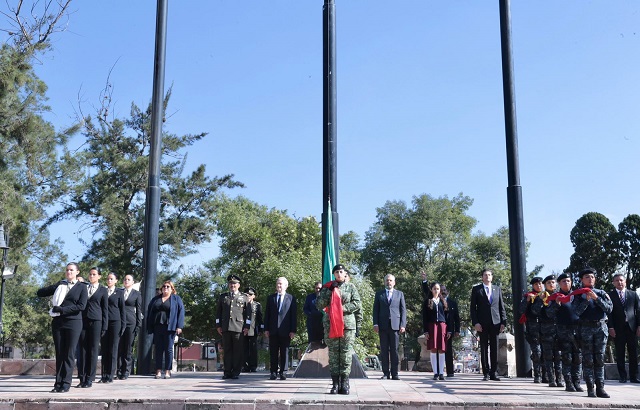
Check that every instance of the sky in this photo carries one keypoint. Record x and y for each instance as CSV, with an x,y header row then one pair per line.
x,y
419,106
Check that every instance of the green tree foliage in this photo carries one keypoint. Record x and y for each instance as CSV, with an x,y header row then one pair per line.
x,y
594,240
30,171
109,197
198,292
629,248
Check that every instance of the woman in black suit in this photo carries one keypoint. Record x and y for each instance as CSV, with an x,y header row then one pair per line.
x,y
117,323
165,319
133,311
94,325
68,302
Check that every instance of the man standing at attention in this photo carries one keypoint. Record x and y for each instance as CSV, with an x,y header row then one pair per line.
x,y
233,324
280,326
257,327
624,327
489,318
592,307
314,316
389,320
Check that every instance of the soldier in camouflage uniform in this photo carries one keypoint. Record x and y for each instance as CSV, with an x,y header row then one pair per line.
x,y
233,323
566,320
340,348
257,327
592,309
532,327
549,336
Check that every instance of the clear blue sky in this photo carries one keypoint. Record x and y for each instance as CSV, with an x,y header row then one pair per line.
x,y
420,106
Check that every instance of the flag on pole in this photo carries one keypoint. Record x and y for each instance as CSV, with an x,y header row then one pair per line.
x,y
330,250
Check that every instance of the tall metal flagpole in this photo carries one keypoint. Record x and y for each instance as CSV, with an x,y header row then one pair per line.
x,y
152,210
329,131
514,190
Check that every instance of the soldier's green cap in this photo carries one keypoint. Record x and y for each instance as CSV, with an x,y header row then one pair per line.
x,y
233,279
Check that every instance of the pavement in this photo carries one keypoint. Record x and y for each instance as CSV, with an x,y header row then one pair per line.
x,y
207,391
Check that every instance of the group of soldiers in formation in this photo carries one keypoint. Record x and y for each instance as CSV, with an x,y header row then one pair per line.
x,y
567,330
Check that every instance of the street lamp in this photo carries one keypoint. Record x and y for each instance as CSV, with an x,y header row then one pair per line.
x,y
6,274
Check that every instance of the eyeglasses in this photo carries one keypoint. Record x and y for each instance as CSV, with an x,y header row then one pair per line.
x,y
166,287
318,288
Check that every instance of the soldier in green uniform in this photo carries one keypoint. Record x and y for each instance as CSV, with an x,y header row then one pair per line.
x,y
341,300
233,322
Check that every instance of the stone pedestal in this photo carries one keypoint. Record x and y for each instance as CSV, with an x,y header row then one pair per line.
x,y
506,355
315,364
424,364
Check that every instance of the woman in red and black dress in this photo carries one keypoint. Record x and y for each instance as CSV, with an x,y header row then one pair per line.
x,y
434,321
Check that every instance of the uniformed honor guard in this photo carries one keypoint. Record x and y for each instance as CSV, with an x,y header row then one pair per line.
x,y
532,326
549,334
566,320
233,324
592,307
257,327
341,300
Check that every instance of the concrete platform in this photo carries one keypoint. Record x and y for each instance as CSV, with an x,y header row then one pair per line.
x,y
206,391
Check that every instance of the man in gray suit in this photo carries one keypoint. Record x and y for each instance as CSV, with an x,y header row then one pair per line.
x,y
389,320
624,327
280,324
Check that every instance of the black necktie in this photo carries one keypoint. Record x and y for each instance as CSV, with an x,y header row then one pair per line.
x,y
279,302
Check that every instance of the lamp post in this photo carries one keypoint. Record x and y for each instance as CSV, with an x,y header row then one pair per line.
x,y
6,274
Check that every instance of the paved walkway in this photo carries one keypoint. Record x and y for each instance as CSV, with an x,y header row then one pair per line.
x,y
206,391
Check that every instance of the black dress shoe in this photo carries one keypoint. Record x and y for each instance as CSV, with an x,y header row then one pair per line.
x,y
79,385
273,376
225,377
449,374
235,377
441,377
282,376
55,390
63,390
634,380
495,378
395,377
384,376
87,385
623,380
485,378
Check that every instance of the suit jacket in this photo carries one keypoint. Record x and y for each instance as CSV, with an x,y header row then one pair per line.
x,y
116,307
133,308
453,316
97,306
283,322
484,311
389,315
74,301
624,315
176,313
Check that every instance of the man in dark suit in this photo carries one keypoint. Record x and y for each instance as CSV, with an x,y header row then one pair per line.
x,y
453,327
94,325
315,331
389,320
69,300
489,317
280,326
624,327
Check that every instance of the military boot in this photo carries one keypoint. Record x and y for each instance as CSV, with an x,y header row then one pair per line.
x,y
559,382
576,385
536,374
334,388
590,391
600,390
344,384
551,377
570,387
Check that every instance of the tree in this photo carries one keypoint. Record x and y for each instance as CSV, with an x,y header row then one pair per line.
x,y
30,170
197,290
594,241
109,197
629,248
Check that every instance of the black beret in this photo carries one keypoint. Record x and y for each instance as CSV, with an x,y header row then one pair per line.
x,y
563,276
550,277
233,279
535,279
338,267
587,271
